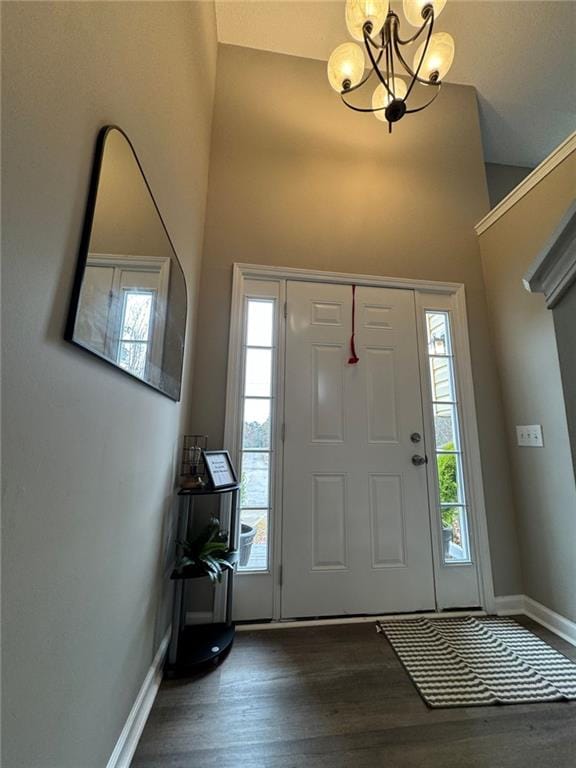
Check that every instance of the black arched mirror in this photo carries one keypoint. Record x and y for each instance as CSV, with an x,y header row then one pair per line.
x,y
129,301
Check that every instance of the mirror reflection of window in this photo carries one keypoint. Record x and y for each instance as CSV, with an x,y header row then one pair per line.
x,y
135,331
122,311
131,307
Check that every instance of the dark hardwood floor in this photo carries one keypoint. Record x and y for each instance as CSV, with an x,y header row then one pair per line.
x,y
337,697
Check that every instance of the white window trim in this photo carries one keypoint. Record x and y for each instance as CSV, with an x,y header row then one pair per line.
x,y
233,425
479,565
156,265
455,293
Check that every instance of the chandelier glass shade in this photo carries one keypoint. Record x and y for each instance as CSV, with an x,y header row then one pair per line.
x,y
386,54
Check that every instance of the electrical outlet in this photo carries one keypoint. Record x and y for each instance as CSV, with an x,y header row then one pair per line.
x,y
530,435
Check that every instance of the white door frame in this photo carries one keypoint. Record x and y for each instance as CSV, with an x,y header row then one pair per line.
x,y
469,427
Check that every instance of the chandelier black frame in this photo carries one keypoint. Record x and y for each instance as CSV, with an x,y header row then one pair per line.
x,y
389,46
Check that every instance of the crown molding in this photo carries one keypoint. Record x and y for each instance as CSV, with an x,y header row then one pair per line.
x,y
535,177
554,269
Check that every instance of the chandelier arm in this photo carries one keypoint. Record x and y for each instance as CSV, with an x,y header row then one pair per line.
x,y
390,73
379,45
392,64
360,109
428,20
409,69
419,109
375,62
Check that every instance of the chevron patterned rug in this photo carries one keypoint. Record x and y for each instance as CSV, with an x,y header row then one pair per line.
x,y
468,662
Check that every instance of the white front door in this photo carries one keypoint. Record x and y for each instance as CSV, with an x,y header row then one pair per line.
x,y
356,523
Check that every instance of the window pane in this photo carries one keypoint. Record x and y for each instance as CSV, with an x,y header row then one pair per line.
x,y
256,427
255,479
254,539
136,316
445,427
132,357
258,372
451,489
450,478
260,323
454,534
441,379
438,333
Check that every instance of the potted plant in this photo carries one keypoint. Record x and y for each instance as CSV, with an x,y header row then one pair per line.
x,y
207,554
247,534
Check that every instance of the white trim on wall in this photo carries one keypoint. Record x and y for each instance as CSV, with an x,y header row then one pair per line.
x,y
257,584
509,605
472,442
451,592
540,172
554,269
555,622
128,740
513,605
243,272
263,272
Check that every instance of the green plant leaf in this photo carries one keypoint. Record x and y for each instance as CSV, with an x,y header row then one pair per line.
x,y
215,547
208,551
215,565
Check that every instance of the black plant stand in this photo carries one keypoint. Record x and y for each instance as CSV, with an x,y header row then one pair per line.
x,y
194,645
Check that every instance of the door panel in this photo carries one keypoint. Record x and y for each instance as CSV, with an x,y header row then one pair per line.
x,y
356,531
329,522
381,395
387,520
327,385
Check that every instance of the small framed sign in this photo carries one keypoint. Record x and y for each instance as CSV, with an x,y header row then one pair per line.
x,y
220,470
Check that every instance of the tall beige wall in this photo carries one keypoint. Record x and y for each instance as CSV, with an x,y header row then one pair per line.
x,y
298,180
88,454
525,342
565,326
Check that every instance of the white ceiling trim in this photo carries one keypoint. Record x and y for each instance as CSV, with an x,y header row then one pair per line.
x,y
541,171
554,270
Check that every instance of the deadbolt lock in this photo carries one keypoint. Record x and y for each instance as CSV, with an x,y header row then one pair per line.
x,y
415,437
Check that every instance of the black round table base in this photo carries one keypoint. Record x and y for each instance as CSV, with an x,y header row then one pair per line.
x,y
199,646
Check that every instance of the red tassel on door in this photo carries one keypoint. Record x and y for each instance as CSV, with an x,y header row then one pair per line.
x,y
353,359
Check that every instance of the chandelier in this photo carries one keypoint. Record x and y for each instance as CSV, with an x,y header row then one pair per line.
x,y
378,27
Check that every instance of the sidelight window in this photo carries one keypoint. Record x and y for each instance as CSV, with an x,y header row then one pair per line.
x,y
256,453
452,501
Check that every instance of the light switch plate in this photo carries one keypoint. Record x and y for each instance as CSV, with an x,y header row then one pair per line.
x,y
530,435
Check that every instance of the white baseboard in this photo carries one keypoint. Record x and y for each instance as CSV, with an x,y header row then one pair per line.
x,y
555,622
128,741
509,605
512,605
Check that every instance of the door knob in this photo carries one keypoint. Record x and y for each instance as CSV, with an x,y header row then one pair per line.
x,y
419,460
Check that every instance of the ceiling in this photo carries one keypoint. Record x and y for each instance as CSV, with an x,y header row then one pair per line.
x,y
520,56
